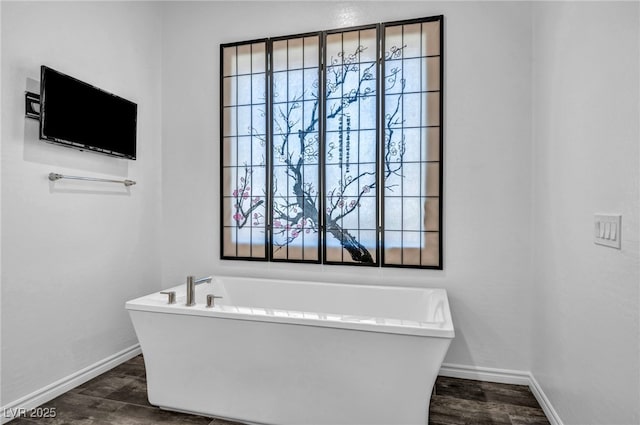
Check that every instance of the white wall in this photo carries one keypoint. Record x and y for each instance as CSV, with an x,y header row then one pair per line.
x,y
73,253
586,160
487,200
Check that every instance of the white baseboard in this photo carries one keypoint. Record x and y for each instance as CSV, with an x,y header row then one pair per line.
x,y
548,409
504,376
51,391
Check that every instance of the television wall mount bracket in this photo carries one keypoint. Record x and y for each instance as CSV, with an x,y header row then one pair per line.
x,y
32,105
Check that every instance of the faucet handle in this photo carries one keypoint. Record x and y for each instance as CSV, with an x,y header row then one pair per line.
x,y
172,296
211,300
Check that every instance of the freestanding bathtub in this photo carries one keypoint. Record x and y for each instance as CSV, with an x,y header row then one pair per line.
x,y
299,353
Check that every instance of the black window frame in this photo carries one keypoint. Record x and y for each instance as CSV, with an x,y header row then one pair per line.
x,y
380,134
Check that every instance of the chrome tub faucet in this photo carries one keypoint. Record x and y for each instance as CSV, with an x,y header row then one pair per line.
x,y
191,288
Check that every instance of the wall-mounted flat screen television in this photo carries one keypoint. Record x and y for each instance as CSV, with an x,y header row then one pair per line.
x,y
78,115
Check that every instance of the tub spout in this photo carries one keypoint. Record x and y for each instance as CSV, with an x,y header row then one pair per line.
x,y
191,288
206,279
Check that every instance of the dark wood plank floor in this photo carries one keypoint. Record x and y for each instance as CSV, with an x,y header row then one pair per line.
x,y
120,397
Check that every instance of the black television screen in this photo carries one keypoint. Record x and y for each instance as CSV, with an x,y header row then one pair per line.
x,y
79,115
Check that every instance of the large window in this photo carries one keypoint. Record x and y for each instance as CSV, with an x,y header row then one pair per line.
x,y
332,146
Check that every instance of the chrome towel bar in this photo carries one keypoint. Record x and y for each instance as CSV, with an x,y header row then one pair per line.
x,y
55,176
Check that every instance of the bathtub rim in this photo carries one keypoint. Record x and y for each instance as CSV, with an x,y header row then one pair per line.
x,y
150,303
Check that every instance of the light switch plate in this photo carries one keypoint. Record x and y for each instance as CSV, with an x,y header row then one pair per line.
x,y
608,230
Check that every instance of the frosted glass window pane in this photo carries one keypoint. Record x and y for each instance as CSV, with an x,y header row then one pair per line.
x,y
257,152
433,179
229,178
411,148
229,91
431,215
258,122
279,87
295,53
228,121
432,137
244,95
368,41
351,44
367,212
229,61
411,111
411,213
311,47
367,109
228,248
392,216
393,239
431,109
412,143
227,211
258,88
258,55
243,156
243,121
258,251
411,184
244,59
411,254
334,49
295,124
311,245
367,145
411,38
296,86
432,77
228,143
412,74
393,111
431,249
393,42
431,38
279,55
311,75
351,146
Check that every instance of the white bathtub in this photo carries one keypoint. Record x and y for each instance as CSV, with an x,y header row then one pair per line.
x,y
299,353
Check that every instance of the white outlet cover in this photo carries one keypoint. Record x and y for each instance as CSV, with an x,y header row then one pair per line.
x,y
608,230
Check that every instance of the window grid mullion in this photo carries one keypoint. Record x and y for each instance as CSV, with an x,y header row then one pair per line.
x,y
269,148
251,145
379,142
341,128
322,81
402,158
304,223
236,134
322,98
420,246
380,134
287,152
